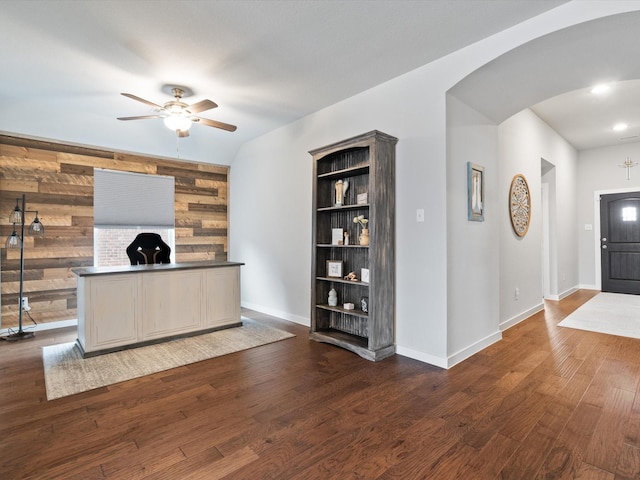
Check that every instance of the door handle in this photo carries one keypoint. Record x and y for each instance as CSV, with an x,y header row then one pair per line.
x,y
604,239
604,247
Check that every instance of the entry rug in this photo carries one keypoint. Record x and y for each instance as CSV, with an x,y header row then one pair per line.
x,y
611,313
67,373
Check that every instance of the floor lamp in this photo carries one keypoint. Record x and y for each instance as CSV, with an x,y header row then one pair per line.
x,y
17,217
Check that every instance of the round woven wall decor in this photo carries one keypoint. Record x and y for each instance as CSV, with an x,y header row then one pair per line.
x,y
520,205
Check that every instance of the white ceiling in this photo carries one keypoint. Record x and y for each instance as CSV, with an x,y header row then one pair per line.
x,y
554,74
586,120
265,63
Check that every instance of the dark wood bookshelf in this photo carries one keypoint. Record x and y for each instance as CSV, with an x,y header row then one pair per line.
x,y
367,162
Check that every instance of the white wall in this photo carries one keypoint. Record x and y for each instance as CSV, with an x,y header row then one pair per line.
x,y
524,141
271,206
598,171
568,267
473,247
549,225
272,176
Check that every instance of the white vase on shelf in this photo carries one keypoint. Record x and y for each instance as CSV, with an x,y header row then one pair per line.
x,y
333,298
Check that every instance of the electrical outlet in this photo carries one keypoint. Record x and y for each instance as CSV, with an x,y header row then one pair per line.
x,y
420,215
25,303
516,293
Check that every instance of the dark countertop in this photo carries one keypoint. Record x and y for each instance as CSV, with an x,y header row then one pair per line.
x,y
88,271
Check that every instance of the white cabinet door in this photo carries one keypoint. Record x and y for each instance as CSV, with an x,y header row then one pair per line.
x,y
171,302
112,311
222,289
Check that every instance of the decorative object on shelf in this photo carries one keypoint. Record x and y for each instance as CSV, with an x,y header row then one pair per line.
x,y
349,306
364,304
334,268
336,236
475,192
333,298
351,277
363,238
346,238
364,275
341,189
17,217
338,199
361,199
628,164
520,205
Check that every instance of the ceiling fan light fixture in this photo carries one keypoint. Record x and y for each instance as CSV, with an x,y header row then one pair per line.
x,y
178,122
179,116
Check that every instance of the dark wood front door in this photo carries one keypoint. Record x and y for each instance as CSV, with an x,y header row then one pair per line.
x,y
620,242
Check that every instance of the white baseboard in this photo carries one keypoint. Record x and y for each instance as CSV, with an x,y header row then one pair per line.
x,y
473,349
452,359
518,318
41,326
278,313
564,294
568,292
589,287
422,357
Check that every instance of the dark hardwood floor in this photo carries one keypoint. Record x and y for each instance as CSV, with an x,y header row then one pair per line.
x,y
544,403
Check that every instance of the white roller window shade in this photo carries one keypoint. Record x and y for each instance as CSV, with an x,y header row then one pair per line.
x,y
124,199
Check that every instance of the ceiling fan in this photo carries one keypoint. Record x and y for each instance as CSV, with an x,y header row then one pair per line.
x,y
179,116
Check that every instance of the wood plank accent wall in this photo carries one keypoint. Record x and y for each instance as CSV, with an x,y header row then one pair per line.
x,y
58,182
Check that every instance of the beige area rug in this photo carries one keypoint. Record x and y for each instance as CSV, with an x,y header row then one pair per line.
x,y
67,373
611,313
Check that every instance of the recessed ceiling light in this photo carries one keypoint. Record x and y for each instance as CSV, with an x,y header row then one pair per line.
x,y
600,89
619,127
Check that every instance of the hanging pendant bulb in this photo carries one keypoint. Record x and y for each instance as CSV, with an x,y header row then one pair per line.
x,y
13,241
36,227
16,215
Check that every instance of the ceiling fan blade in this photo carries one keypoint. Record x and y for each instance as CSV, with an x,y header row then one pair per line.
x,y
182,133
142,117
201,106
213,123
147,102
